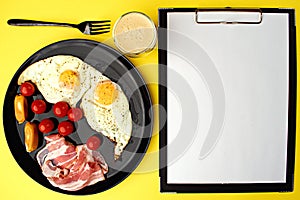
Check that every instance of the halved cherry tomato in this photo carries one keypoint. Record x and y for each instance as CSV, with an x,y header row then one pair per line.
x,y
75,114
38,106
27,89
46,125
60,109
65,128
93,143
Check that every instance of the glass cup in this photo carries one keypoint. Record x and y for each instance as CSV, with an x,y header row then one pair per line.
x,y
134,33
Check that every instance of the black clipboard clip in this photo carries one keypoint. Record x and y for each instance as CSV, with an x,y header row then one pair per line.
x,y
228,16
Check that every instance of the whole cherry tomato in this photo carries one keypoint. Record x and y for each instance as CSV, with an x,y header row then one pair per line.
x,y
46,125
38,106
60,109
75,114
65,128
27,89
93,143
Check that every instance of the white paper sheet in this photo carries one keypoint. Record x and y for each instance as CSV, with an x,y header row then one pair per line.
x,y
251,63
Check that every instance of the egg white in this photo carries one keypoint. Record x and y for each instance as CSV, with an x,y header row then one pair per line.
x,y
45,75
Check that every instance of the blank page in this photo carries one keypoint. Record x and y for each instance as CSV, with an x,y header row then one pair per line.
x,y
244,66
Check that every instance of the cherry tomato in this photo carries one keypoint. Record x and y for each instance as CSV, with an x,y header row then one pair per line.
x,y
75,114
93,143
38,106
46,125
60,109
65,128
27,89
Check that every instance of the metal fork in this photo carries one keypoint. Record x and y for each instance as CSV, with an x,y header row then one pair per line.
x,y
86,27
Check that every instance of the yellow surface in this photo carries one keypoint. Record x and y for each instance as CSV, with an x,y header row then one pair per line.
x,y
18,43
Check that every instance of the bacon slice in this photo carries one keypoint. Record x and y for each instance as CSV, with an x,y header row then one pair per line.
x,y
70,167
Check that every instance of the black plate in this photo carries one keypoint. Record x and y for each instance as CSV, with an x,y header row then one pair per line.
x,y
115,66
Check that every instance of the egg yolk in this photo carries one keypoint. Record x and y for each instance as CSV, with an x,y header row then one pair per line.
x,y
69,79
106,92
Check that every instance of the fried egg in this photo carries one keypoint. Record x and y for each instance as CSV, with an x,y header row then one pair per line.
x,y
59,78
106,109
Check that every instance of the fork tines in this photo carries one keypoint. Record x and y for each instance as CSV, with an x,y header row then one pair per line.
x,y
99,27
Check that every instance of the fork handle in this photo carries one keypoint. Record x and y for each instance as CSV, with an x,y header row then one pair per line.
x,y
26,22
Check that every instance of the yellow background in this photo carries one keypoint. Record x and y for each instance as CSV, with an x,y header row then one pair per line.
x,y
18,43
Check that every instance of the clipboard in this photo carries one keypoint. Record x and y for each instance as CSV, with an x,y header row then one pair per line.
x,y
227,99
